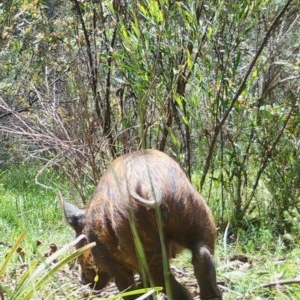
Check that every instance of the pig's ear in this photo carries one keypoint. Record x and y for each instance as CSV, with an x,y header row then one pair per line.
x,y
73,214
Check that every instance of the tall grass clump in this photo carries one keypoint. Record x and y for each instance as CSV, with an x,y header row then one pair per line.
x,y
39,271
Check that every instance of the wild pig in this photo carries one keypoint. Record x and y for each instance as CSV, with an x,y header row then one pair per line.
x,y
131,192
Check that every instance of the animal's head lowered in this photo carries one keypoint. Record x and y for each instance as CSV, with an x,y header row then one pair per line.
x,y
88,270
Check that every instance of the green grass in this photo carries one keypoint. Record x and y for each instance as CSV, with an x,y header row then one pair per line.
x,y
255,258
246,270
27,207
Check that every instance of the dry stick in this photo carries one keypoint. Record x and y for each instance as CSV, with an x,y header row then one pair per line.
x,y
281,282
239,91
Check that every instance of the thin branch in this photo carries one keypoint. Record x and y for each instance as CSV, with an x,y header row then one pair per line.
x,y
239,91
266,158
93,76
280,282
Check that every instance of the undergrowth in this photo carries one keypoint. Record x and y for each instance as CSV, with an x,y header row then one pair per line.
x,y
256,263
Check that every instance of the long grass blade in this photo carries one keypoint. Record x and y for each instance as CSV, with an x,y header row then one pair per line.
x,y
11,252
35,280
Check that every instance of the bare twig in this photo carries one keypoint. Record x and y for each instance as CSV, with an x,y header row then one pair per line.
x,y
280,282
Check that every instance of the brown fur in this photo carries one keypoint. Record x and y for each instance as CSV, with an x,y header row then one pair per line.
x,y
129,191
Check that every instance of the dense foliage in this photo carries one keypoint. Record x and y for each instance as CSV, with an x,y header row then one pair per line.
x,y
213,83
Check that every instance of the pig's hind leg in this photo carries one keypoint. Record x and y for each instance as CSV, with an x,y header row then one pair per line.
x,y
205,272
